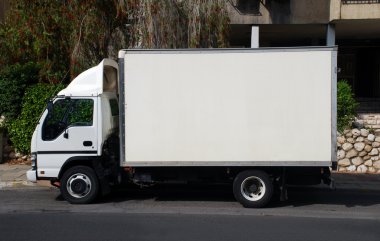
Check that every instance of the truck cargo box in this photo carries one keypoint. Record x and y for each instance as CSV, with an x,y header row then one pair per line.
x,y
236,107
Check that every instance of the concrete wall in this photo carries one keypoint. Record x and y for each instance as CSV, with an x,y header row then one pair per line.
x,y
280,12
241,15
310,11
354,11
298,11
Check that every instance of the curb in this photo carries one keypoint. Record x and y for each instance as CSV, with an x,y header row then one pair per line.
x,y
4,185
8,185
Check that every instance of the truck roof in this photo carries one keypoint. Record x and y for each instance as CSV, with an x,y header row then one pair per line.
x,y
90,82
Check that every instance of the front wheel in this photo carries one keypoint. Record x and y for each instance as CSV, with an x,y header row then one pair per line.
x,y
253,188
79,185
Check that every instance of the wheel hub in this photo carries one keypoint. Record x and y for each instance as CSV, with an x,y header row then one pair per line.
x,y
253,188
79,185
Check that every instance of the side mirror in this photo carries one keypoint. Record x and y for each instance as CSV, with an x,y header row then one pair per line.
x,y
66,134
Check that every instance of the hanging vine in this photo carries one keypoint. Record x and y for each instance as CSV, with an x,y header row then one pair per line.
x,y
66,37
63,37
177,23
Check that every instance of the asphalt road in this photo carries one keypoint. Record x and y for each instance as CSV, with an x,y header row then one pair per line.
x,y
90,226
190,213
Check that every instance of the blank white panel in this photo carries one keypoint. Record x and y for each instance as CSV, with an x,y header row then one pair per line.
x,y
227,106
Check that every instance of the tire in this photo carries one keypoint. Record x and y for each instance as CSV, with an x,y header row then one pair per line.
x,y
79,185
253,188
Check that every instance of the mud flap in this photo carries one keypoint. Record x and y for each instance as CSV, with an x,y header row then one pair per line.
x,y
103,181
283,187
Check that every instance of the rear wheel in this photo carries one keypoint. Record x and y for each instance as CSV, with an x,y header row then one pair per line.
x,y
253,188
79,185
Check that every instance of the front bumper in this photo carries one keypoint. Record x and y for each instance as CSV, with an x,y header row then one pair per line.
x,y
31,175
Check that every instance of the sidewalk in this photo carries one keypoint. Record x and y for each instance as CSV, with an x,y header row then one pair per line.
x,y
14,176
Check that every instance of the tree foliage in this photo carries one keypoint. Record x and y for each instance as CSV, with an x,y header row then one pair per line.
x,y
13,81
34,101
63,37
346,105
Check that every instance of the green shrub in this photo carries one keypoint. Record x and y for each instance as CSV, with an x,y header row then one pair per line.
x,y
346,105
13,81
34,102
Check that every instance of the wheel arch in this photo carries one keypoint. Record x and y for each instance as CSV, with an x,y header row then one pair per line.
x,y
271,171
77,161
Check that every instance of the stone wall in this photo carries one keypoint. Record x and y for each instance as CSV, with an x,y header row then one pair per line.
x,y
9,154
358,151
369,120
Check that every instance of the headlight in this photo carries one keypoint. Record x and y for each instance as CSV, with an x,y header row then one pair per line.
x,y
33,158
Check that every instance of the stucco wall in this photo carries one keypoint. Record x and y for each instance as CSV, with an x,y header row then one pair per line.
x,y
240,15
310,11
360,11
281,12
299,11
338,10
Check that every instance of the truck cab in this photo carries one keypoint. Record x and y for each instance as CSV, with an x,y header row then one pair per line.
x,y
74,128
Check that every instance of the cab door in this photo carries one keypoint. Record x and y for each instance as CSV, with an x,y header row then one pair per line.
x,y
69,130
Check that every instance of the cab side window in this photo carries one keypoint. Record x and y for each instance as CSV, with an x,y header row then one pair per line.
x,y
81,114
66,113
114,107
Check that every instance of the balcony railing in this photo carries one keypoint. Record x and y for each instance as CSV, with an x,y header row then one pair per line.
x,y
360,1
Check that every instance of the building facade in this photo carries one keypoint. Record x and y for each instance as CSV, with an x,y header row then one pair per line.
x,y
352,25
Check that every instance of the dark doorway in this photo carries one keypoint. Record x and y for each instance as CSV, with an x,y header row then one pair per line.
x,y
360,66
368,73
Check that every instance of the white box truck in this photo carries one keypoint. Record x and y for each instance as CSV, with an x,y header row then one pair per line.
x,y
259,119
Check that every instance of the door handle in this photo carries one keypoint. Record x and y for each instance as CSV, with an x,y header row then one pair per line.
x,y
87,143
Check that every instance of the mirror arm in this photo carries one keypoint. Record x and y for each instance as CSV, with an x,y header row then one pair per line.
x,y
66,134
49,105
